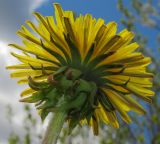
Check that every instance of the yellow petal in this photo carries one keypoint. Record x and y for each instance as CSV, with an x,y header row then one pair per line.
x,y
30,60
25,73
29,37
58,15
39,78
125,117
27,92
117,100
140,90
109,32
112,119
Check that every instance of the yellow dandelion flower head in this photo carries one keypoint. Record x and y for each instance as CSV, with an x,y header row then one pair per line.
x,y
83,66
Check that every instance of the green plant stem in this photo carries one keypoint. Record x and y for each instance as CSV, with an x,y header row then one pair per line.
x,y
54,128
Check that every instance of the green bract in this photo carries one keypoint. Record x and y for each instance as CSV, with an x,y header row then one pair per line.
x,y
66,91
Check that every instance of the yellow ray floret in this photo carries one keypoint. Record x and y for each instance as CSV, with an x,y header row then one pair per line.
x,y
112,70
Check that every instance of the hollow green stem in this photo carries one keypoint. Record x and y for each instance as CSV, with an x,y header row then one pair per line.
x,y
54,128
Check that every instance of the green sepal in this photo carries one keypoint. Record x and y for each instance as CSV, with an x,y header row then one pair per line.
x,y
64,84
91,73
80,112
33,98
43,114
83,86
53,94
37,85
76,56
72,124
118,91
48,60
116,83
60,70
52,97
88,116
76,74
86,110
63,50
47,104
55,54
98,59
89,54
43,68
108,73
93,94
66,105
102,68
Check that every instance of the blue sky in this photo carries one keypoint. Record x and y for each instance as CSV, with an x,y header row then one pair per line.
x,y
106,9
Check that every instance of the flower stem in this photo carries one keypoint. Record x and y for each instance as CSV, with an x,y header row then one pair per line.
x,y
54,128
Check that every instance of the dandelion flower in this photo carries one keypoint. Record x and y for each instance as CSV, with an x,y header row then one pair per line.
x,y
82,66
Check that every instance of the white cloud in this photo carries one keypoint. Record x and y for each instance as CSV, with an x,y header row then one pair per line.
x,y
5,55
13,14
36,3
3,48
